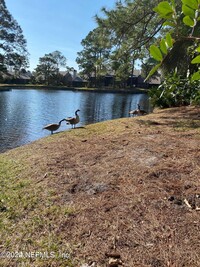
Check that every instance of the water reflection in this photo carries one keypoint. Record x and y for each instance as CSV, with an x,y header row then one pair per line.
x,y
23,113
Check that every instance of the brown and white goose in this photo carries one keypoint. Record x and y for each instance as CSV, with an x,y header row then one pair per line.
x,y
53,126
73,120
138,111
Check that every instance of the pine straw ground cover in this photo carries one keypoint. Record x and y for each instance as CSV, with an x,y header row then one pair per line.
x,y
114,187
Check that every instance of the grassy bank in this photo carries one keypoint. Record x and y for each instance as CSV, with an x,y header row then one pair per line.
x,y
119,186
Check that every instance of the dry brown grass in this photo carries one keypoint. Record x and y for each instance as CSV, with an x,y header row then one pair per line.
x,y
105,188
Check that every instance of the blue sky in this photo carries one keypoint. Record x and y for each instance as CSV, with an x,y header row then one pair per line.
x,y
50,25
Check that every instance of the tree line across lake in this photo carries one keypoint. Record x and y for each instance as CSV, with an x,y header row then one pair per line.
x,y
163,35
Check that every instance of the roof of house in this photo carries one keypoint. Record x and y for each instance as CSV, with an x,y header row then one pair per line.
x,y
23,75
72,77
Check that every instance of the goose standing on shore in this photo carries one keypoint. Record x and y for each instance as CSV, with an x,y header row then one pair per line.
x,y
73,120
53,127
138,111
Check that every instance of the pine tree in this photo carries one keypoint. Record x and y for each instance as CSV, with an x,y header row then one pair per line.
x,y
129,28
13,45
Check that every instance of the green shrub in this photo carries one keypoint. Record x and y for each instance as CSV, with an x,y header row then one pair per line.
x,y
175,91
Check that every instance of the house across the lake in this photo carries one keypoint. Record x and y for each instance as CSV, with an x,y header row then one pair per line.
x,y
24,77
135,80
72,79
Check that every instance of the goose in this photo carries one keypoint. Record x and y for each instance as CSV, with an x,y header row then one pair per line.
x,y
53,126
138,111
73,120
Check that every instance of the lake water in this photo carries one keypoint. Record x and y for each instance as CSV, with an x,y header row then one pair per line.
x,y
23,113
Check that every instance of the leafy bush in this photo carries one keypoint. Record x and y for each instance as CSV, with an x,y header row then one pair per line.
x,y
178,55
175,91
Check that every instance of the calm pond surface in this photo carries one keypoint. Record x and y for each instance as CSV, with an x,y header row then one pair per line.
x,y
23,113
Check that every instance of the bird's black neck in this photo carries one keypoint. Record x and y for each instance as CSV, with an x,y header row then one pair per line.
x,y
61,121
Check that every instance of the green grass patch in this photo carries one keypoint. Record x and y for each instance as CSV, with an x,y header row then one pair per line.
x,y
29,216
